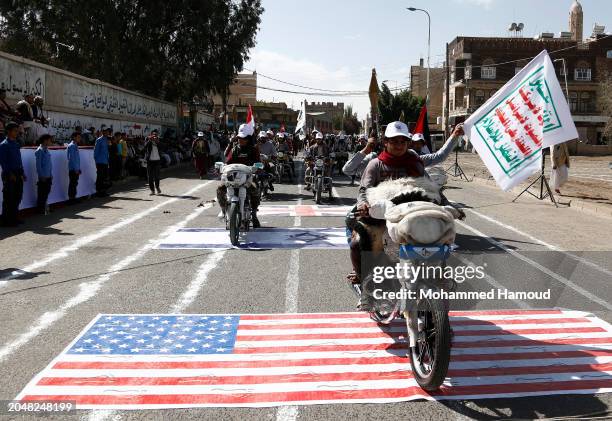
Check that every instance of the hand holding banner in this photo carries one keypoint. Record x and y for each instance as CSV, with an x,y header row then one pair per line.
x,y
529,113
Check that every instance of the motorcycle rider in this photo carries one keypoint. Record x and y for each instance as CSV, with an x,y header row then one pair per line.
x,y
395,161
285,147
341,149
242,151
319,149
266,147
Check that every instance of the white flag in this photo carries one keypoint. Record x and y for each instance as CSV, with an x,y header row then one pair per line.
x,y
301,123
529,113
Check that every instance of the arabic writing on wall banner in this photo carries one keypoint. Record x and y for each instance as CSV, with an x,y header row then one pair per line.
x,y
64,124
19,78
203,120
86,96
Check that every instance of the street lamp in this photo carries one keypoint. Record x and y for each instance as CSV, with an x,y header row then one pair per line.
x,y
414,9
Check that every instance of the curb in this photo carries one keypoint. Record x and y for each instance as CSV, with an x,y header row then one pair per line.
x,y
603,211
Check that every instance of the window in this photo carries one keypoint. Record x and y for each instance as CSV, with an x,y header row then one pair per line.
x,y
582,74
479,98
468,72
573,101
609,54
488,71
586,102
582,71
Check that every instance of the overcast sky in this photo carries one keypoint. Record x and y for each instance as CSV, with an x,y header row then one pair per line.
x,y
333,44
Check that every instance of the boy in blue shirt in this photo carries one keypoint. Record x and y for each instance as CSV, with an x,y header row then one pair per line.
x,y
101,158
13,175
44,169
74,166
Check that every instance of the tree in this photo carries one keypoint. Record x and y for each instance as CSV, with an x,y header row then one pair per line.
x,y
352,125
390,106
169,49
605,103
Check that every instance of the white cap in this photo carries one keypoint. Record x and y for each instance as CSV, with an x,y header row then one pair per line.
x,y
244,131
262,134
342,137
319,135
281,135
418,137
200,134
270,132
397,128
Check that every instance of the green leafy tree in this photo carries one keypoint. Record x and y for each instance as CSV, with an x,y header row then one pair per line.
x,y
352,125
170,49
391,105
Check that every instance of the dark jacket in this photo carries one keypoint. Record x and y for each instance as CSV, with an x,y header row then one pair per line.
x,y
148,147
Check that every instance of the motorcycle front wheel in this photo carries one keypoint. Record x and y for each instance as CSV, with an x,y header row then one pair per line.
x,y
234,225
431,355
319,190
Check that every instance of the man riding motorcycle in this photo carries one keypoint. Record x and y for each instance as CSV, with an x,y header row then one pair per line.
x,y
266,147
242,151
313,152
285,147
395,161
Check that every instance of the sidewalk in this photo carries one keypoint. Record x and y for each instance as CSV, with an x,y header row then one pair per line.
x,y
589,187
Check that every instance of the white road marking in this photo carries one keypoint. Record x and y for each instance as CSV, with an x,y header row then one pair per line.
x,y
89,289
492,281
67,250
290,412
541,242
198,282
541,268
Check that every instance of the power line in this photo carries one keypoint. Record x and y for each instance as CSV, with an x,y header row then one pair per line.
x,y
306,87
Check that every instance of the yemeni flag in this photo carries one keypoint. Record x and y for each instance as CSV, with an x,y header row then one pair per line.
x,y
422,126
250,120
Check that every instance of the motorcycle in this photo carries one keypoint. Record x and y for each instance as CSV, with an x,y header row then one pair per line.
x,y
318,180
238,178
264,178
284,167
426,316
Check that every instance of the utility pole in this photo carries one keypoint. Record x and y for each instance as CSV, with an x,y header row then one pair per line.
x,y
447,105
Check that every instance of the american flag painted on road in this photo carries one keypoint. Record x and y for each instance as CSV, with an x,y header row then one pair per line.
x,y
182,361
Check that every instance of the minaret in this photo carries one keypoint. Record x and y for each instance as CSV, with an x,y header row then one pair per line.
x,y
576,21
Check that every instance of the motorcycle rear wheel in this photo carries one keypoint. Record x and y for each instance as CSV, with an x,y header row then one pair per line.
x,y
431,355
234,225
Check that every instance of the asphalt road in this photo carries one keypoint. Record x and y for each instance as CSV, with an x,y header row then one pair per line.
x,y
99,257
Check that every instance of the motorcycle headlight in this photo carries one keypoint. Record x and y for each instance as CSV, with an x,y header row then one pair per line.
x,y
319,163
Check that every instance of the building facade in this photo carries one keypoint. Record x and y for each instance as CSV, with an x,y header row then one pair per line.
x,y
479,66
268,115
418,87
324,115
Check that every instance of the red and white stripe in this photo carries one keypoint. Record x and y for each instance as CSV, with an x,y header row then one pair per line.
x,y
302,359
303,210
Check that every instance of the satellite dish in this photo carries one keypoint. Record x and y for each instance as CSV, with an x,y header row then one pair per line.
x,y
512,27
520,26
